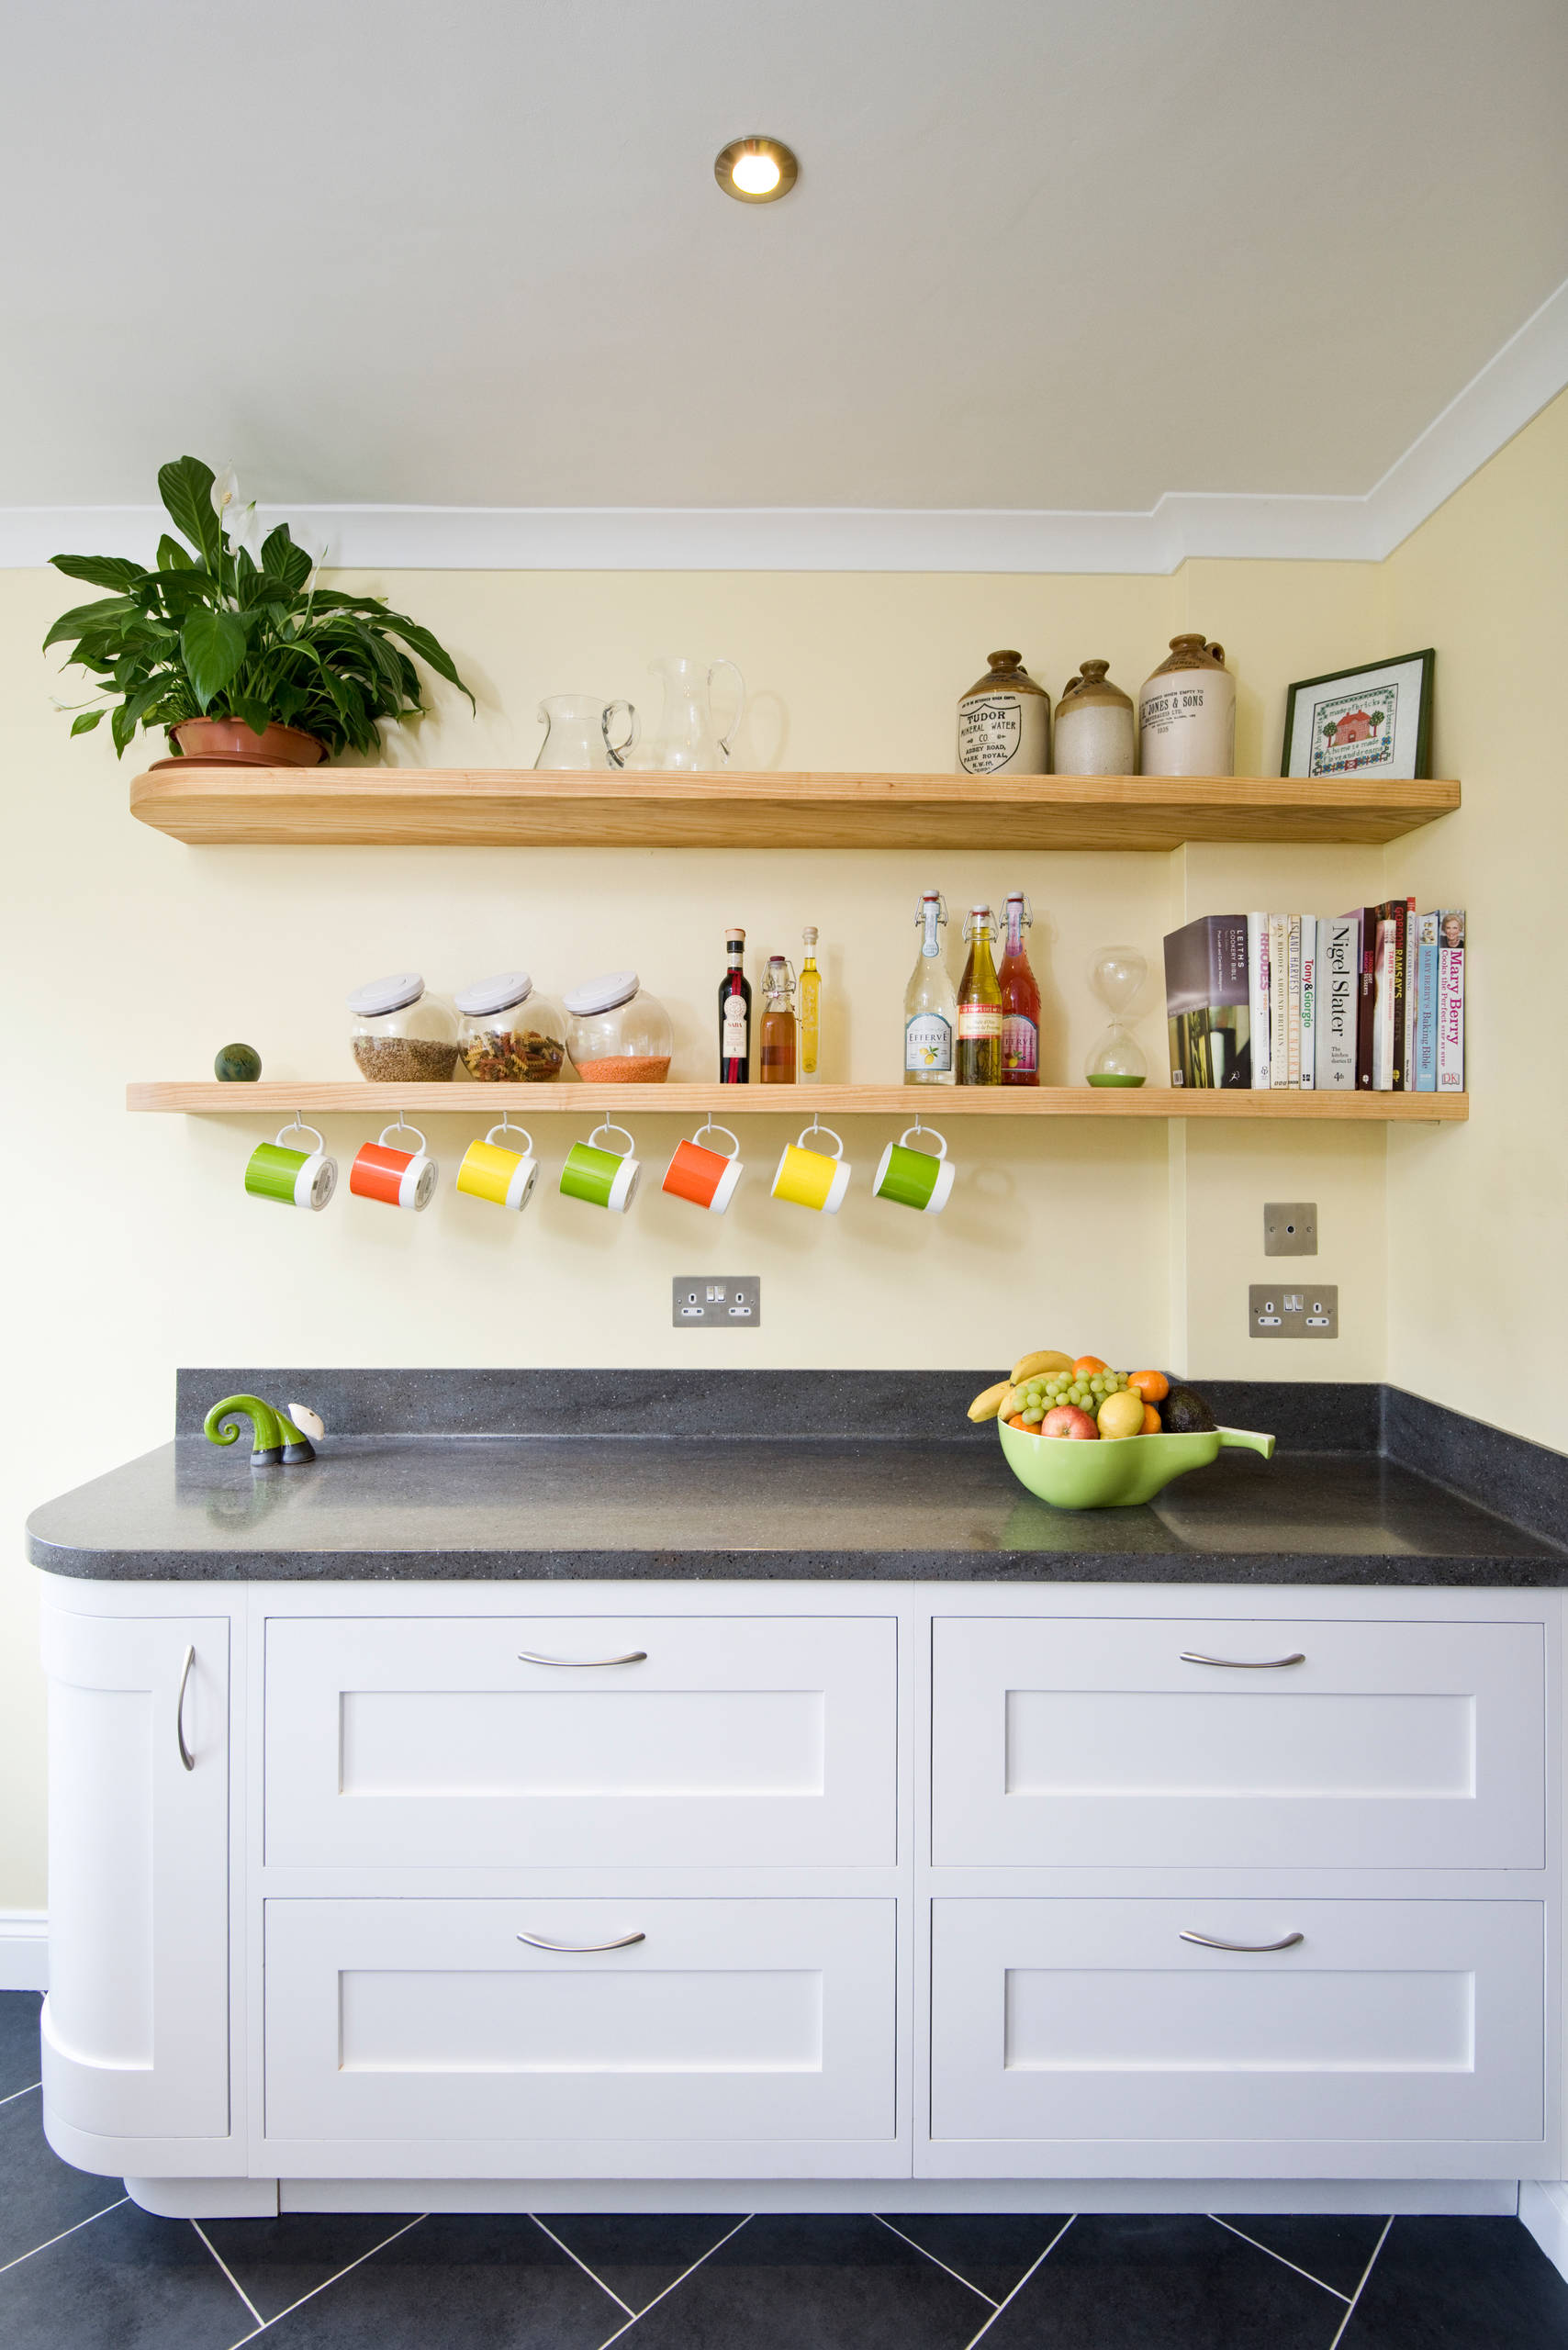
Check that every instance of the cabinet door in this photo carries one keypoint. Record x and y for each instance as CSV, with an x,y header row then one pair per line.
x,y
1083,1741
407,2022
136,2032
581,1742
1390,2024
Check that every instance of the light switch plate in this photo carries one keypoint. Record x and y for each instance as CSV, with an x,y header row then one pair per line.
x,y
1290,1228
1291,1309
717,1301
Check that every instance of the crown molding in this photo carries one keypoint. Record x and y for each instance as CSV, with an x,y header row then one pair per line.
x,y
1527,374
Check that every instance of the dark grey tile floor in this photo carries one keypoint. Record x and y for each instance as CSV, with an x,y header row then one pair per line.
x,y
82,2268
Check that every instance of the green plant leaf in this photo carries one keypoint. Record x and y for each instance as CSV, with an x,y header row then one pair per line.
x,y
435,656
257,714
85,721
89,619
284,560
212,645
172,555
185,488
100,570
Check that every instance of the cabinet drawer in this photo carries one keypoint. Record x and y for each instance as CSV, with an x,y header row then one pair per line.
x,y
1390,2022
431,2019
729,1741
1074,1741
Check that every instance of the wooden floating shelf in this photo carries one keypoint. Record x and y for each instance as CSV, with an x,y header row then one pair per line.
x,y
486,807
278,1098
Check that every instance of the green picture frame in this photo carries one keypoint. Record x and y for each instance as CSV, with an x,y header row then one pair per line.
x,y
1373,753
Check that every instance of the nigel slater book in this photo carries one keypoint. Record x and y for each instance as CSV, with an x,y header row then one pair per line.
x,y
1206,1003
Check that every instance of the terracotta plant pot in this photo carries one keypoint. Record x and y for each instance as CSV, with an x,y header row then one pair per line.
x,y
228,741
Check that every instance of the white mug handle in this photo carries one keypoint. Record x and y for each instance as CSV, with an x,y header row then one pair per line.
x,y
940,1140
710,1128
804,1141
609,1127
297,1127
726,740
402,1126
506,1127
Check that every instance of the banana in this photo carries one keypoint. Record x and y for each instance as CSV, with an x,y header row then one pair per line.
x,y
985,1407
1031,1366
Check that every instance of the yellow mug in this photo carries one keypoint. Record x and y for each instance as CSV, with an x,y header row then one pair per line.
x,y
504,1177
812,1179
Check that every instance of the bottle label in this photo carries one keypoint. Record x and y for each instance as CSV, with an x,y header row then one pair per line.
x,y
1002,730
733,1033
977,1023
1020,1045
928,1043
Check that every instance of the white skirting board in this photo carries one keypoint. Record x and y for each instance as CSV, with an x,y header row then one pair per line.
x,y
24,1950
1544,2208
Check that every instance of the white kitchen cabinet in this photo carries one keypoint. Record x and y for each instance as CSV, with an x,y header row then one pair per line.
x,y
1244,1742
1067,2021
599,1740
136,2028
436,2020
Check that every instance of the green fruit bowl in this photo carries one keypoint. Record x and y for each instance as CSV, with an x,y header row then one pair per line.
x,y
1114,1472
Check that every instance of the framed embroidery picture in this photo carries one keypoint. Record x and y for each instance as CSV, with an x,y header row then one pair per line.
x,y
1373,721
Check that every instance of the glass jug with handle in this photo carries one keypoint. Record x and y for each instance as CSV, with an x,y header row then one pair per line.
x,y
578,729
687,737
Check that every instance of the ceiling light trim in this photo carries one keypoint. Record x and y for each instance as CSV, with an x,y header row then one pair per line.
x,y
1523,378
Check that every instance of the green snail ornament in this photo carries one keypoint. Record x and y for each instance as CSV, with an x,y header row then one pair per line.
x,y
276,1442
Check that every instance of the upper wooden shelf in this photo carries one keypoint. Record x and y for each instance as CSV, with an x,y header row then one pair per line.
x,y
482,807
278,1098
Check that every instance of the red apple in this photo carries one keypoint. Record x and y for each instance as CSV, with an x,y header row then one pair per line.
x,y
1066,1419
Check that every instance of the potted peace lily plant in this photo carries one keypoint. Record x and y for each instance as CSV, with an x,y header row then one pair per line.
x,y
243,656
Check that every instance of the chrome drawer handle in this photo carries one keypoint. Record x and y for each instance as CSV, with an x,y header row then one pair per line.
x,y
582,1663
1208,1941
1244,1663
187,1757
585,1949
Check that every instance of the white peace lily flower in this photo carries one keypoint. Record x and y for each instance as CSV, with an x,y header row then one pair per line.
x,y
225,490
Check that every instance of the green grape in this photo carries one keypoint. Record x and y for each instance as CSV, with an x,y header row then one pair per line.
x,y
1032,1416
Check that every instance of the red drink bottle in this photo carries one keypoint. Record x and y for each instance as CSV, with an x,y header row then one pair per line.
x,y
1020,999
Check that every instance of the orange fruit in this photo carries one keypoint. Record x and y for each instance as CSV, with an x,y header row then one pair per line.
x,y
1017,1422
1152,1385
1150,1421
1087,1365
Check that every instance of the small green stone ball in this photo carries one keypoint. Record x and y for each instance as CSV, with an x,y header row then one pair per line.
x,y
238,1064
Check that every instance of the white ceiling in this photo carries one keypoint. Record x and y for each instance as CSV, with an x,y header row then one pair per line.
x,y
1041,255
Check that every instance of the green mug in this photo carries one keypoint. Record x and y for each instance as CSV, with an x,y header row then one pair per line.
x,y
915,1178
605,1178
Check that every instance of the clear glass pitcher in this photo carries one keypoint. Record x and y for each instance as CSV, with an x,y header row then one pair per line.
x,y
687,736
577,731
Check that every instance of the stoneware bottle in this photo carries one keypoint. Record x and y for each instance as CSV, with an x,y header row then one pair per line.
x,y
1096,731
1186,712
1004,722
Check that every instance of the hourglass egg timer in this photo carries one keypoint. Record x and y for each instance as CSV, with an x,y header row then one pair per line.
x,y
1117,975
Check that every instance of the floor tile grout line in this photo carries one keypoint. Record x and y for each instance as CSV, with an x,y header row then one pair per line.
x,y
1280,2256
337,2275
12,2094
1022,2281
582,2264
250,2304
932,2257
1360,2288
63,2234
744,2221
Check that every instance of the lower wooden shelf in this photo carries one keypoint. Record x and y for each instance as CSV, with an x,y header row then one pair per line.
x,y
280,1097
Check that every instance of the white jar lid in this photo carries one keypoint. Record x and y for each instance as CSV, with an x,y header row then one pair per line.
x,y
602,995
387,995
498,994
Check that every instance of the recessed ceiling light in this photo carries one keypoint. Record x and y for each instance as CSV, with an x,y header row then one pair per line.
x,y
755,171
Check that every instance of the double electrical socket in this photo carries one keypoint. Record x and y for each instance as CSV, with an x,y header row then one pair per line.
x,y
1275,1312
733,1300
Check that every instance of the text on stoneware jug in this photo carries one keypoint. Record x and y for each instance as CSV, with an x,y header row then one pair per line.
x,y
1004,722
1186,712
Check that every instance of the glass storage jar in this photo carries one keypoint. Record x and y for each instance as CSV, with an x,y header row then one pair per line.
x,y
616,1033
400,1034
509,1032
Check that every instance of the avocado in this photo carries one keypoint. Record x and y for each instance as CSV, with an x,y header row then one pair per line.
x,y
1184,1413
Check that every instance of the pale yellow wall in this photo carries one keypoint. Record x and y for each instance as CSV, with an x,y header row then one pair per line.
x,y
133,1247
1478,1265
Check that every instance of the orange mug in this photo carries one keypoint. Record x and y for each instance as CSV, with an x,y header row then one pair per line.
x,y
706,1177
399,1178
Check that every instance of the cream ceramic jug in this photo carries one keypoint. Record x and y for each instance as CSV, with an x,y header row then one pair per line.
x,y
1186,712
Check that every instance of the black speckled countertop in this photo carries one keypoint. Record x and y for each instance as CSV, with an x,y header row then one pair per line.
x,y
805,1501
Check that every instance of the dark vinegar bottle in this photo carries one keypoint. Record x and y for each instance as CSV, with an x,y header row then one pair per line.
x,y
735,1014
